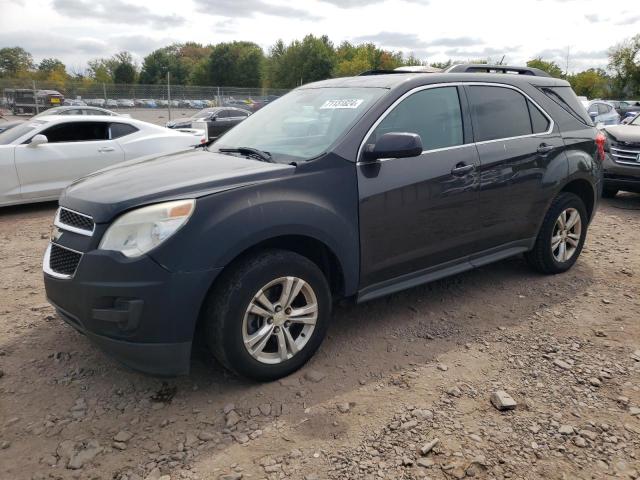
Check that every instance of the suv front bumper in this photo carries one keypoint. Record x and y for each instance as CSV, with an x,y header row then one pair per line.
x,y
137,311
621,176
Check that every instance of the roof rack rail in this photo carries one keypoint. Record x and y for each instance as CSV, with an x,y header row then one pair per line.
x,y
378,72
483,68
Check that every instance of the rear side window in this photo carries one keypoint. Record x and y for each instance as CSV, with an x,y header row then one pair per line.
x,y
77,132
121,129
602,108
565,97
498,112
434,114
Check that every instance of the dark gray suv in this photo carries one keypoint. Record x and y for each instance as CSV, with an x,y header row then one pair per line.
x,y
351,188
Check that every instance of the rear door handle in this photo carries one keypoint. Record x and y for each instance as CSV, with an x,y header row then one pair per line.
x,y
106,149
462,169
544,148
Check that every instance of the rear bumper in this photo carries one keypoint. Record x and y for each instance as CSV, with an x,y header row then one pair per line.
x,y
137,311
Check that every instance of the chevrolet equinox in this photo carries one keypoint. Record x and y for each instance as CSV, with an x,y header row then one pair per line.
x,y
350,188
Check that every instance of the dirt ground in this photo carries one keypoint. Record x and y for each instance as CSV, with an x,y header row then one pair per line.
x,y
400,389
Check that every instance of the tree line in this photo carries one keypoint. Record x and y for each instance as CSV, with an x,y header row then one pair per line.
x,y
245,64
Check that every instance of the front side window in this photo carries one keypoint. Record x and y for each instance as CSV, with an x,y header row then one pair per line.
x,y
498,112
593,108
77,132
602,108
434,114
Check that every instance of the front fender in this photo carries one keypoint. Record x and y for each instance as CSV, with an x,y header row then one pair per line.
x,y
319,203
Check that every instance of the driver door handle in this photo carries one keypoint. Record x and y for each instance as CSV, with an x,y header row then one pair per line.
x,y
106,149
462,169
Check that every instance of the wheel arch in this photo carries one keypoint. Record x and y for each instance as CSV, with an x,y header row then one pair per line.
x,y
584,189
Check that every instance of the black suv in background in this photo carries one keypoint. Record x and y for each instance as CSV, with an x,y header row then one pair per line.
x,y
346,188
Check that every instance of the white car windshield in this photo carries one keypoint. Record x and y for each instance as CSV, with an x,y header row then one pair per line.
x,y
15,133
302,124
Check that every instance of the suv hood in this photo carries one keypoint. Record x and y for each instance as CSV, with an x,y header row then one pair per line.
x,y
624,133
196,173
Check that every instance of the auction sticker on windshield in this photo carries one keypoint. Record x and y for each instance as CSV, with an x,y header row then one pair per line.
x,y
343,103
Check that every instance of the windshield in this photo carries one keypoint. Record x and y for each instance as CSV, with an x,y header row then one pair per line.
x,y
302,124
16,132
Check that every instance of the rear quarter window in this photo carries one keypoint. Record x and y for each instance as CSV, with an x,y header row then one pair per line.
x,y
566,98
119,130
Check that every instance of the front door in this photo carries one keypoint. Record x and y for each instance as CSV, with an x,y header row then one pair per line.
x,y
420,212
74,149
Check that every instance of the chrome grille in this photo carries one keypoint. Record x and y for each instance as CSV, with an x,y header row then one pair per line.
x,y
63,261
625,153
74,221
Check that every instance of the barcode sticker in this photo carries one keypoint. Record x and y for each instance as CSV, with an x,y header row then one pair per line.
x,y
343,103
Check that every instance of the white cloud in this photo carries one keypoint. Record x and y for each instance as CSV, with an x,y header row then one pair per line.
x,y
77,30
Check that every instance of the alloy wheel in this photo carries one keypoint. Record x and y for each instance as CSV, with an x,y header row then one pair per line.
x,y
566,235
280,320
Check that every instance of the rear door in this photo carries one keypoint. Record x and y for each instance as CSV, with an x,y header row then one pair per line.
x,y
517,142
75,149
419,212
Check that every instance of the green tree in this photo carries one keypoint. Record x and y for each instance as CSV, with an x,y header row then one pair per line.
x,y
354,59
551,67
592,83
48,65
309,60
237,64
624,62
15,62
120,68
158,63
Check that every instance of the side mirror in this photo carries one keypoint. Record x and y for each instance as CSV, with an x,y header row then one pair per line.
x,y
38,140
393,145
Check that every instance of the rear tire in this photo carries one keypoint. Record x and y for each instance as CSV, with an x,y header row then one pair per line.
x,y
609,192
561,236
268,314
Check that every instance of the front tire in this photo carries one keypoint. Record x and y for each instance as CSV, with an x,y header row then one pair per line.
x,y
561,236
268,314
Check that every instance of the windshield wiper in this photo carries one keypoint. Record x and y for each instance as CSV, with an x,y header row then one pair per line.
x,y
249,152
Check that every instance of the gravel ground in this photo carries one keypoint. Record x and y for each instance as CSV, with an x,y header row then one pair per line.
x,y
400,389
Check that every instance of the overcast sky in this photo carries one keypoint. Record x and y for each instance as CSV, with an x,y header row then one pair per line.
x,y
435,30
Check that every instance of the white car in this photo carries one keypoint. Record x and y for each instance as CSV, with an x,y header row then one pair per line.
x,y
40,157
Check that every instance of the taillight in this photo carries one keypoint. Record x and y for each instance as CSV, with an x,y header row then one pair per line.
x,y
601,141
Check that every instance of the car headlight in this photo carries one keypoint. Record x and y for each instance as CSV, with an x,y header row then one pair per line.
x,y
138,231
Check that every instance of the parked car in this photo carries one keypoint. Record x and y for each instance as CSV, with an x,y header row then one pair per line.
x,y
125,103
112,103
627,107
251,241
622,163
42,156
76,111
219,119
96,102
603,112
68,102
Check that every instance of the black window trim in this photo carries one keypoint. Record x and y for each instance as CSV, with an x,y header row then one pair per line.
x,y
458,84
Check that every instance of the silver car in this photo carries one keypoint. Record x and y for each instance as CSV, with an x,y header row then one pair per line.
x,y
602,112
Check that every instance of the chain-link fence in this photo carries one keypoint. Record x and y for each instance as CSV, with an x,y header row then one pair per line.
x,y
18,94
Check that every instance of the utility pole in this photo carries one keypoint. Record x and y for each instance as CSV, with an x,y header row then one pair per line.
x,y
169,94
35,98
